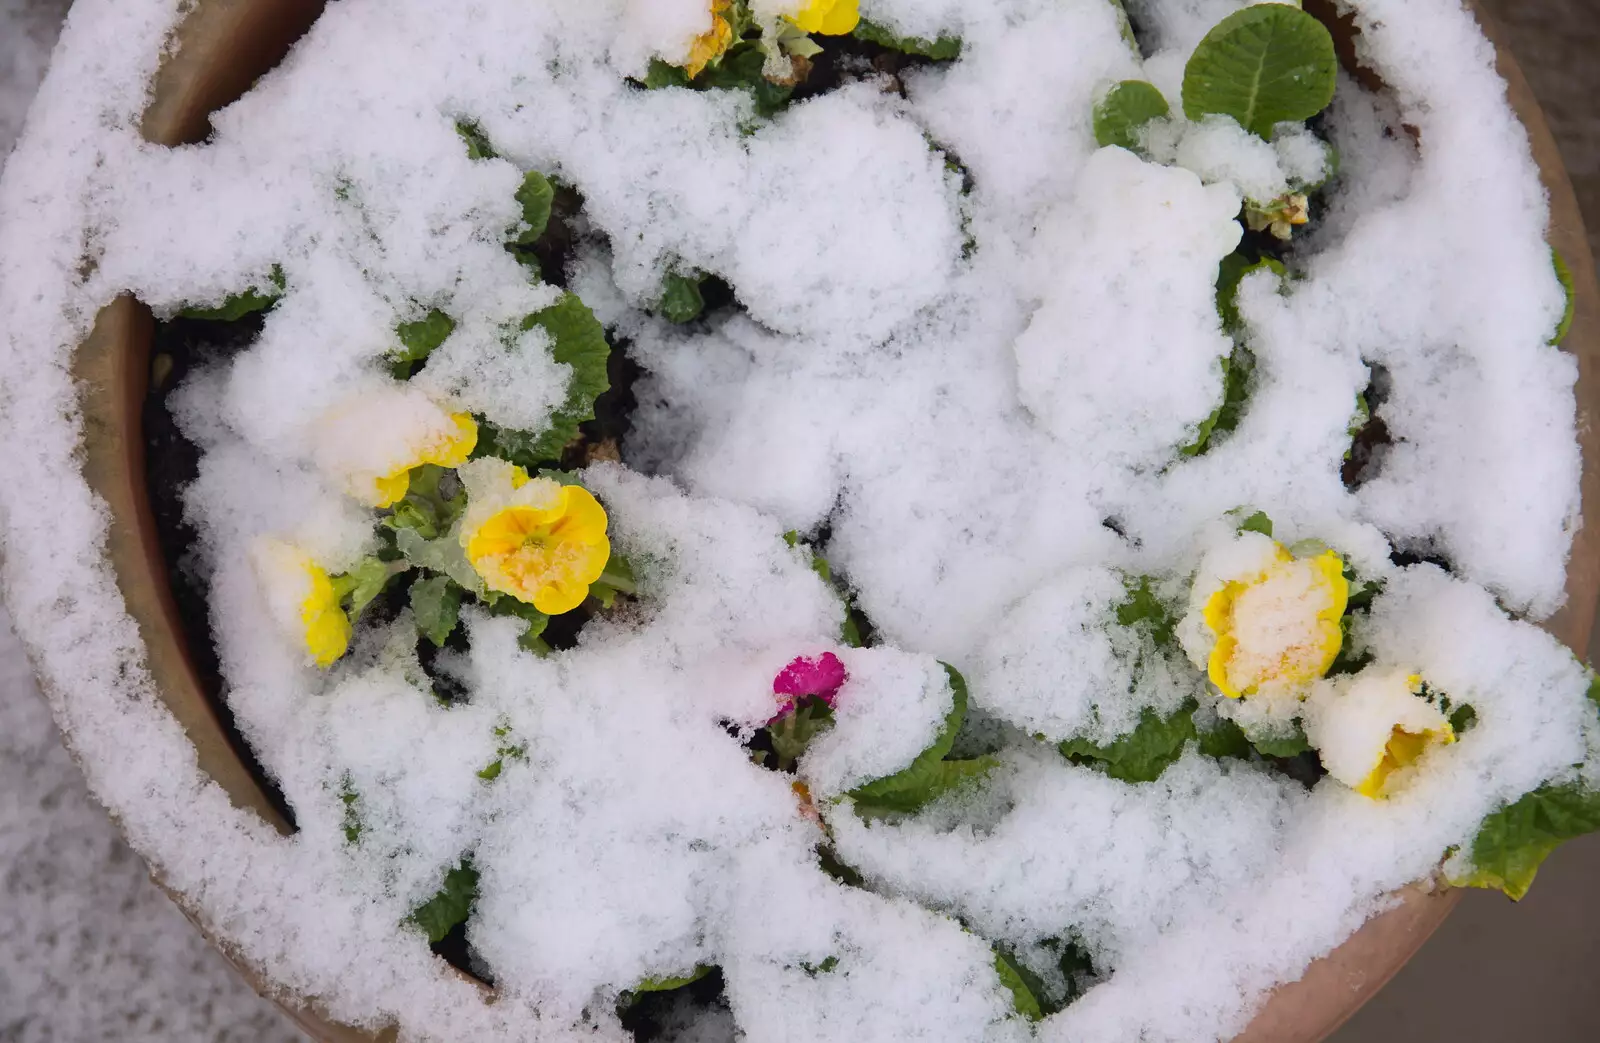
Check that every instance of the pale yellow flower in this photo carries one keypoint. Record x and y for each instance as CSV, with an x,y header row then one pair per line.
x,y
373,438
301,594
1274,628
713,43
537,540
1369,728
828,17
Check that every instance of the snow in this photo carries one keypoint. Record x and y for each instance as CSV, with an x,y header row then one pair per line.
x,y
974,398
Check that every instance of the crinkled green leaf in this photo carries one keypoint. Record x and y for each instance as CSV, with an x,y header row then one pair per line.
x,y
1564,274
1264,65
436,604
944,49
537,196
443,555
681,300
920,784
1145,610
1126,25
1257,522
741,68
617,579
579,341
532,639
1225,740
1144,753
236,306
451,905
1513,842
923,780
1123,112
1283,746
352,810
359,586
1022,997
418,340
662,74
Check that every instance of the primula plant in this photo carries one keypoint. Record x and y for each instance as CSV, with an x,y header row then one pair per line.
x,y
810,519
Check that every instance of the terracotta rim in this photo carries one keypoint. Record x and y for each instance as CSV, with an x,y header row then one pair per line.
x,y
224,45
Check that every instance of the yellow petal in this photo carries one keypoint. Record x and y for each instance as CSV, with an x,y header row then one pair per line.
x,y
391,489
1276,646
547,556
841,19
453,450
327,628
1403,749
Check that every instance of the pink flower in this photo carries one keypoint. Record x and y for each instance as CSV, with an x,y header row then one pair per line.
x,y
820,677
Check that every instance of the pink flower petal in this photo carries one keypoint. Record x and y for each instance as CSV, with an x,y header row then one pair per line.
x,y
821,677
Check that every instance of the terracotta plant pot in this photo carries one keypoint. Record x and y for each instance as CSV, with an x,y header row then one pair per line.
x,y
225,44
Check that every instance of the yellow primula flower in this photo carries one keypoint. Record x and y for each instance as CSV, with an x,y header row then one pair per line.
x,y
302,596
446,448
1368,729
373,437
1276,629
712,44
828,17
537,540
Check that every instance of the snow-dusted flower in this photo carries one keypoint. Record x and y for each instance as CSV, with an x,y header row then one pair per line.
x,y
1268,622
821,676
828,17
535,539
374,438
302,597
1370,727
714,42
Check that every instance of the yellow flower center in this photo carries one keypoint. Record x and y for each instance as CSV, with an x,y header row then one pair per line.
x,y
828,17
446,449
712,44
325,626
1278,630
545,555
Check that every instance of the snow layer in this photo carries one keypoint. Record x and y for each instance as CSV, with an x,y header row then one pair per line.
x,y
980,394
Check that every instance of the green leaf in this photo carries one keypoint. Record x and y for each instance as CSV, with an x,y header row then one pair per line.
x,y
1283,746
1225,740
662,75
1230,273
436,604
1022,997
452,905
944,49
919,785
1264,65
680,299
444,556
1144,753
352,810
532,639
418,340
668,984
741,68
1127,28
1257,522
537,196
236,306
1513,842
1144,609
1564,274
923,780
362,584
478,146
1123,112
617,579
579,341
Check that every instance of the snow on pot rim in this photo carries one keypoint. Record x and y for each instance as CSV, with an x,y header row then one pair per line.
x,y
233,904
